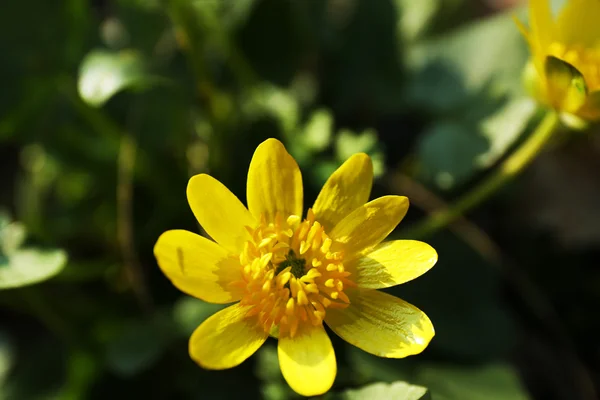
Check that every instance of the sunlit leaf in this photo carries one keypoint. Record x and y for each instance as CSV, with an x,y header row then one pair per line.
x,y
318,130
103,74
29,266
391,391
415,16
25,266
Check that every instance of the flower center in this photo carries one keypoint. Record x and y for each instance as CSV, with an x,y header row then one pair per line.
x,y
586,60
290,276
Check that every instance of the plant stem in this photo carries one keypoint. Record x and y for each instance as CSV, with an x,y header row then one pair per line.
x,y
508,169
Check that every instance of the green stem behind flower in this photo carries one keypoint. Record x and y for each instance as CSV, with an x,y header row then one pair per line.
x,y
514,164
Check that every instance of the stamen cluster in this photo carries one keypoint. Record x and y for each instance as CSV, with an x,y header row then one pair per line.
x,y
290,275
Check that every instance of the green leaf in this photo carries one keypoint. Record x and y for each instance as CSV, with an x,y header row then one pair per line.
x,y
24,266
189,313
483,59
318,130
103,74
487,382
447,152
6,356
475,95
29,266
391,391
138,345
415,17
348,143
451,152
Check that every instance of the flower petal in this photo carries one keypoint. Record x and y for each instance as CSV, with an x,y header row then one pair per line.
x,y
307,361
274,182
346,189
591,109
219,212
368,225
392,263
577,23
381,324
541,22
227,338
198,266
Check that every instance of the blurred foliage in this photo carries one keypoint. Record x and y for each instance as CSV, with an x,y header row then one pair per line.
x,y
109,106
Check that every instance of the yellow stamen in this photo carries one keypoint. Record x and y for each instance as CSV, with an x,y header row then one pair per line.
x,y
290,276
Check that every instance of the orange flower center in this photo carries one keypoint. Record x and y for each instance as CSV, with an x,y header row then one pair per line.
x,y
586,60
290,275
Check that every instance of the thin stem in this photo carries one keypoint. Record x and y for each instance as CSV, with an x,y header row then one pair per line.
x,y
133,269
511,167
104,125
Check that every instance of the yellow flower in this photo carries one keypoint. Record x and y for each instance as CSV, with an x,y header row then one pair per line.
x,y
566,56
289,275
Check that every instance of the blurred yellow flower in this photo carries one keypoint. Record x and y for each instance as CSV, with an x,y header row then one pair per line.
x,y
565,70
289,275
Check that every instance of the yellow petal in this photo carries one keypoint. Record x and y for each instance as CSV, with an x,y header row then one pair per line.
x,y
274,182
198,266
567,89
368,225
591,110
227,338
381,324
219,212
577,23
346,189
307,361
541,22
392,263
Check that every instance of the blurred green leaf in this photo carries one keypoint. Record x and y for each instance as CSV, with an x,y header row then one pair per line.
x,y
483,58
29,266
25,266
348,143
447,152
391,391
415,17
483,382
103,74
445,381
318,130
6,356
451,152
189,313
474,91
138,345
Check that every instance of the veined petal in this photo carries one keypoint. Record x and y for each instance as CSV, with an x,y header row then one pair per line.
x,y
307,361
346,189
577,23
541,22
368,225
274,182
219,212
381,324
198,266
227,338
392,263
